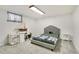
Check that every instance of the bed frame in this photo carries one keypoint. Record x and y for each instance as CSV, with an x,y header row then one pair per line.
x,y
48,30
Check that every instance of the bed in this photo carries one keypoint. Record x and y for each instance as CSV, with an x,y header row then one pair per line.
x,y
49,38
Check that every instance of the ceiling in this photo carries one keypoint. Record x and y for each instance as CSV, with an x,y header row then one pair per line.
x,y
50,10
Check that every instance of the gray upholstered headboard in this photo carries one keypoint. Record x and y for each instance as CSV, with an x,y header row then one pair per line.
x,y
52,30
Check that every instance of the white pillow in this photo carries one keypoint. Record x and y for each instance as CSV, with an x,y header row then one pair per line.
x,y
43,37
52,39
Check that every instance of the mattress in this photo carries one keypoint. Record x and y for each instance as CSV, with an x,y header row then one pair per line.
x,y
46,38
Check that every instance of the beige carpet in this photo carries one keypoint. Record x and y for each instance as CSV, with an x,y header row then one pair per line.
x,y
63,47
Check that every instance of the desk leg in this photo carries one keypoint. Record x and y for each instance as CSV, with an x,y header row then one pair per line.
x,y
22,38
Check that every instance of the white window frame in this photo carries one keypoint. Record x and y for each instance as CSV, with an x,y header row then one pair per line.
x,y
14,16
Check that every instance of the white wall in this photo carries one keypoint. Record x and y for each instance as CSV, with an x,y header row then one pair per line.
x,y
7,27
30,24
75,18
63,22
36,26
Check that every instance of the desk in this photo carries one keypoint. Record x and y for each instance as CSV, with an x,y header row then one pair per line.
x,y
22,32
22,36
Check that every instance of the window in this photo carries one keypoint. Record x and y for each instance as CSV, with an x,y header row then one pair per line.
x,y
13,17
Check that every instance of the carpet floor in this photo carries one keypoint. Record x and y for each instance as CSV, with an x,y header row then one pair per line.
x,y
63,47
